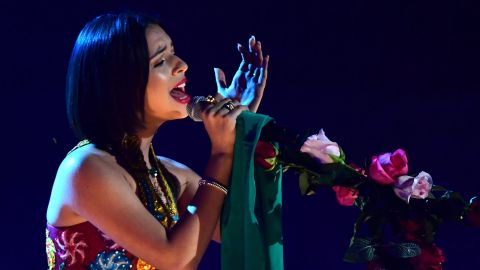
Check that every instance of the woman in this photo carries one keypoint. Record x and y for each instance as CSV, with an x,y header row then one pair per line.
x,y
114,203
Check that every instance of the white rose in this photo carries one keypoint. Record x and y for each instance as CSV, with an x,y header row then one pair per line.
x,y
320,147
408,187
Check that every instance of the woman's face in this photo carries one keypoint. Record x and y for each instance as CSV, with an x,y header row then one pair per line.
x,y
165,97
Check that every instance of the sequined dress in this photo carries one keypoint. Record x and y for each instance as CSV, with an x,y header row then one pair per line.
x,y
83,246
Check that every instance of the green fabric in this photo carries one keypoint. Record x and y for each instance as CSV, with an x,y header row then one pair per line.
x,y
251,217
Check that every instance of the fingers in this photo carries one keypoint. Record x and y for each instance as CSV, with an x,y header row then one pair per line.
x,y
251,43
237,111
212,108
256,57
227,108
222,108
220,79
252,58
258,49
260,74
243,65
262,78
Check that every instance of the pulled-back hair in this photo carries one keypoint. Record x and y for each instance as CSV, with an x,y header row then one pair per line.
x,y
107,76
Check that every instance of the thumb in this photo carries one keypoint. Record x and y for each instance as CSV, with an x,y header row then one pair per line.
x,y
220,78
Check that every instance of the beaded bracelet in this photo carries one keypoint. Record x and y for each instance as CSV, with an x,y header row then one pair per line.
x,y
213,183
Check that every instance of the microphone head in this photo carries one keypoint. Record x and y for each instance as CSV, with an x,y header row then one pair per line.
x,y
194,108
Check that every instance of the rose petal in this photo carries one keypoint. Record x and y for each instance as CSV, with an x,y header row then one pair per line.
x,y
386,167
422,185
345,196
377,173
403,187
320,147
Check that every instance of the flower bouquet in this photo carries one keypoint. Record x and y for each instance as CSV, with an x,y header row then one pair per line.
x,y
399,212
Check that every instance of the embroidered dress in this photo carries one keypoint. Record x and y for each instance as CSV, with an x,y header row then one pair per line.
x,y
84,246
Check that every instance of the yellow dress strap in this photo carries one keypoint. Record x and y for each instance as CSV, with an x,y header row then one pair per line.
x,y
79,144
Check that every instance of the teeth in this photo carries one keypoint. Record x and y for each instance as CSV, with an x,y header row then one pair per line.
x,y
179,88
181,85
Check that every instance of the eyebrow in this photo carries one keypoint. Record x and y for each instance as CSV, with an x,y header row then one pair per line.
x,y
159,51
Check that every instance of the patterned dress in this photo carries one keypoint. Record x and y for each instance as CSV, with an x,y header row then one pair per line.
x,y
83,246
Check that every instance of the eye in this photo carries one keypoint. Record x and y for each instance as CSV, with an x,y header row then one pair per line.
x,y
160,63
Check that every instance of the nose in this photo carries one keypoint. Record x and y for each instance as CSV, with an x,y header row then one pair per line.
x,y
180,67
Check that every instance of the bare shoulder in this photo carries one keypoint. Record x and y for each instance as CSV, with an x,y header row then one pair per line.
x,y
90,164
82,173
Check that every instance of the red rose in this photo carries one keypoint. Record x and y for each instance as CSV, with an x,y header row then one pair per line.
x,y
345,196
265,155
411,230
473,212
386,167
431,258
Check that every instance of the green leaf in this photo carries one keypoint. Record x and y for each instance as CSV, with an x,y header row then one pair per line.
x,y
360,251
304,183
342,154
403,250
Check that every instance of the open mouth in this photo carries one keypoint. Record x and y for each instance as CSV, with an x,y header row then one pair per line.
x,y
178,92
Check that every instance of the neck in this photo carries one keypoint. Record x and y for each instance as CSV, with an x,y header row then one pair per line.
x,y
146,136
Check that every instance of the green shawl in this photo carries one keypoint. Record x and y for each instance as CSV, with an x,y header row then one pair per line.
x,y
251,218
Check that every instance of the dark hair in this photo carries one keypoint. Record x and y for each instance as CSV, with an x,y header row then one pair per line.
x,y
107,76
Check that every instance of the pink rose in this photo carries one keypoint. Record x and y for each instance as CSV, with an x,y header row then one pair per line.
x,y
345,196
408,187
386,167
320,147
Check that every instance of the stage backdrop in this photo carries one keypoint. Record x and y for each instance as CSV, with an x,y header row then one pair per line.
x,y
376,75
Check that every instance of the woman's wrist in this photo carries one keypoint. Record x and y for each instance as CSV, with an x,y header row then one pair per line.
x,y
219,167
221,152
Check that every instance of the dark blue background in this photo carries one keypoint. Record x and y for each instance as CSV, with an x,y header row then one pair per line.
x,y
376,75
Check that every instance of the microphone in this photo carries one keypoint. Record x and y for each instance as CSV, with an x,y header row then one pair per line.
x,y
195,107
270,132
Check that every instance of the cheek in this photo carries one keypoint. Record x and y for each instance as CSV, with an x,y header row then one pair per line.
x,y
156,94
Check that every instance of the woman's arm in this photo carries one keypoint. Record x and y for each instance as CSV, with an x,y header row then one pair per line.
x,y
123,217
189,180
248,83
100,192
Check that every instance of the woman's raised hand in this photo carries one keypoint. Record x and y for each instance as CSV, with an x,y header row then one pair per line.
x,y
249,81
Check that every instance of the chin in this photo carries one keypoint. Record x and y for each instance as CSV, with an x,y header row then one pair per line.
x,y
179,114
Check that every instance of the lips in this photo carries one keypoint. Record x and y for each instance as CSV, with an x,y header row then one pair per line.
x,y
178,92
181,84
